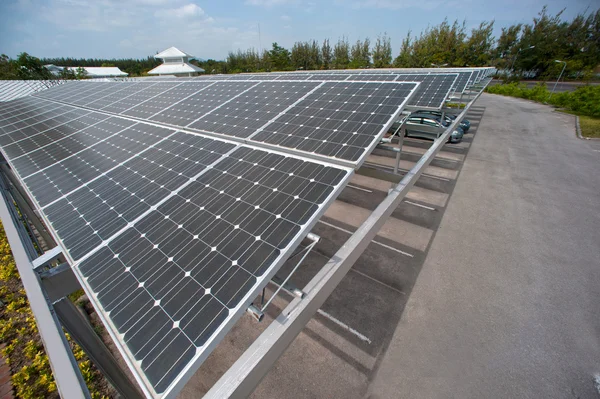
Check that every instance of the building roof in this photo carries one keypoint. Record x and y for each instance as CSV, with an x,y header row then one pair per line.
x,y
94,72
172,69
172,52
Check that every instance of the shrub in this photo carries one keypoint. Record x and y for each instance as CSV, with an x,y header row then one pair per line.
x,y
584,100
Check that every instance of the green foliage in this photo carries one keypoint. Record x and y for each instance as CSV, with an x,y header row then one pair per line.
x,y
341,54
280,57
306,55
585,100
32,376
360,54
577,42
382,52
326,54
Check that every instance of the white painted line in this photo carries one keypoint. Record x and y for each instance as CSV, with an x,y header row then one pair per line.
x,y
419,205
597,382
344,326
374,241
359,188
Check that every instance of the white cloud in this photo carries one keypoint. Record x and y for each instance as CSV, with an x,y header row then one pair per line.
x,y
285,18
187,11
270,3
391,4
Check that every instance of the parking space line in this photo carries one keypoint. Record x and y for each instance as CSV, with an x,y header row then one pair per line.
x,y
378,165
374,241
419,205
344,326
359,188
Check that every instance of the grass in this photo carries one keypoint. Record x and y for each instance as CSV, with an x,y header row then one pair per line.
x,y
590,126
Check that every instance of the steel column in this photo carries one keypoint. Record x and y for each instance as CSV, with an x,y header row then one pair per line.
x,y
83,333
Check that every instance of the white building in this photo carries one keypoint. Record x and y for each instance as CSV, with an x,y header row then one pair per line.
x,y
175,62
90,72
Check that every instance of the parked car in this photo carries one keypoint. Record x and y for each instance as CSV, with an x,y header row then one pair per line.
x,y
416,122
465,124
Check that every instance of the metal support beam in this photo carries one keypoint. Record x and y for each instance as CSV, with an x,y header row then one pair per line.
x,y
59,282
83,333
25,205
69,382
245,374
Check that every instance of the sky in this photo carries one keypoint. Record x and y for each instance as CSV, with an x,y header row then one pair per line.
x,y
211,29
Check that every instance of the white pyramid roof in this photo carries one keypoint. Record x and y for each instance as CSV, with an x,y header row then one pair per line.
x,y
172,52
171,69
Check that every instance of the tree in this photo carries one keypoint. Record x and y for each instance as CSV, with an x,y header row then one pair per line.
x,y
360,54
280,58
341,54
8,68
382,52
404,59
31,68
478,47
326,54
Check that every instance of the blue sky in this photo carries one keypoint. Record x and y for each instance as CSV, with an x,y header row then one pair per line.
x,y
210,29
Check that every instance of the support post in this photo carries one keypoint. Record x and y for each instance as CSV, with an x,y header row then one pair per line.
x,y
83,333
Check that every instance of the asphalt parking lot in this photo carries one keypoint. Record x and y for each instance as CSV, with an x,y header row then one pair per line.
x,y
339,351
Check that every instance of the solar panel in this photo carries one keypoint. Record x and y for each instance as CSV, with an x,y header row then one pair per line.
x,y
171,234
248,110
344,120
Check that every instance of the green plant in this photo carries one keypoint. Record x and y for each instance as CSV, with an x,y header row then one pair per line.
x,y
24,352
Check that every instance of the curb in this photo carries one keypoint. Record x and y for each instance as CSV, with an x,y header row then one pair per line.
x,y
578,129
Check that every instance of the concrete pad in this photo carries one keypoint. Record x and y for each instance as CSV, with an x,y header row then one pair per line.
x,y
450,156
434,198
399,231
415,194
407,165
506,304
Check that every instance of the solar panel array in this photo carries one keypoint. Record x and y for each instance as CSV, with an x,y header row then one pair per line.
x,y
172,232
432,93
337,120
13,89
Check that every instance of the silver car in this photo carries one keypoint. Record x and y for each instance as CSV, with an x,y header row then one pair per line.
x,y
430,127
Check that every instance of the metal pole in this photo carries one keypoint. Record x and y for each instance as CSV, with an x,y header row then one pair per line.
x,y
559,76
83,333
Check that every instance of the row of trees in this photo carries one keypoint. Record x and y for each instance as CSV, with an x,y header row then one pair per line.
x,y
523,47
530,47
